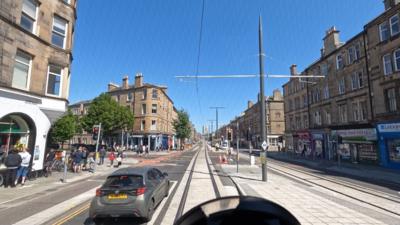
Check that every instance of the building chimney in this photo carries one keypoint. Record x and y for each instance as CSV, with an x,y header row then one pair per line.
x,y
277,95
125,82
249,104
390,3
293,69
331,40
138,80
112,86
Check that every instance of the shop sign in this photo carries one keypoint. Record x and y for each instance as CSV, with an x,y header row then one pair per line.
x,y
361,134
318,136
303,135
390,127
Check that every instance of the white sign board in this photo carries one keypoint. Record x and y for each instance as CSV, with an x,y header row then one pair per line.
x,y
264,145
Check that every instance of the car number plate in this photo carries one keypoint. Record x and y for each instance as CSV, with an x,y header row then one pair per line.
x,y
117,196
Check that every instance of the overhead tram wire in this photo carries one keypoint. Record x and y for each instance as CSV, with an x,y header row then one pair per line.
x,y
198,59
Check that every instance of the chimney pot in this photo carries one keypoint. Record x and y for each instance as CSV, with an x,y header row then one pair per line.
x,y
125,82
139,80
293,69
249,104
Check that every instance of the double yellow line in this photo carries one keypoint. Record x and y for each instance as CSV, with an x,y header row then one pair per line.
x,y
72,215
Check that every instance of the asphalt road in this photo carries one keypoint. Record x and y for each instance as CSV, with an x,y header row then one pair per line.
x,y
175,168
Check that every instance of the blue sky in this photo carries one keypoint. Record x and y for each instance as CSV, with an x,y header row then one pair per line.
x,y
160,39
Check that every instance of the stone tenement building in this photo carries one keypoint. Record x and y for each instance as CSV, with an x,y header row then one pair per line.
x,y
80,109
36,39
153,110
249,123
354,109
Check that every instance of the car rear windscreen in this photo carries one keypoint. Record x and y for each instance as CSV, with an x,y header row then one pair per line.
x,y
124,181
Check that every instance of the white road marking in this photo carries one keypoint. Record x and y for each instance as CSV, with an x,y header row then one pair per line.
x,y
56,210
162,204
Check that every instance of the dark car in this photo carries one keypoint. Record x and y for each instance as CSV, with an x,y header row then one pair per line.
x,y
130,192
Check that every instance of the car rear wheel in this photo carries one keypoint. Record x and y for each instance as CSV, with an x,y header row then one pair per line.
x,y
150,211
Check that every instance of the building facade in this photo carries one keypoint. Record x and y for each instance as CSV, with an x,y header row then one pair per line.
x,y
359,91
36,39
247,130
80,109
153,110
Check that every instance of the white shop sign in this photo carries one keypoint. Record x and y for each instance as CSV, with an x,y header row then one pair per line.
x,y
390,127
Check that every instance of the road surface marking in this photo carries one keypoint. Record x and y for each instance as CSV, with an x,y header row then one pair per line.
x,y
72,215
58,209
161,205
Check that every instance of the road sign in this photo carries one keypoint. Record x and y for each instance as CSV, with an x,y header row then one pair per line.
x,y
264,145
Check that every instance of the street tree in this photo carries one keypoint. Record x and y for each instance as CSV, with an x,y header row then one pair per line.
x,y
63,129
182,126
109,113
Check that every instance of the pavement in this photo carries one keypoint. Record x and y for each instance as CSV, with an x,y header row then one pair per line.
x,y
315,200
365,172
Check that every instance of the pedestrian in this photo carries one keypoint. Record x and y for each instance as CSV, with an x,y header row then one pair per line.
x,y
303,153
24,167
84,158
111,157
49,162
146,150
119,160
91,162
102,154
77,160
12,162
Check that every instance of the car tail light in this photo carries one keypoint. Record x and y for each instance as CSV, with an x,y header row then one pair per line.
x,y
140,191
99,192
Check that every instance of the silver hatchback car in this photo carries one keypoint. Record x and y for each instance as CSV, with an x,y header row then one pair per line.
x,y
130,192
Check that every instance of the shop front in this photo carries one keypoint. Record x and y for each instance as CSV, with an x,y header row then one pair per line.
x,y
318,144
303,143
25,121
389,144
358,145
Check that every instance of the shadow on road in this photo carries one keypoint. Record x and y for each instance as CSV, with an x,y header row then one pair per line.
x,y
116,221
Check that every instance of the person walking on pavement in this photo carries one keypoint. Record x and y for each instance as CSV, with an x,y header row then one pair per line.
x,y
146,149
84,158
303,153
102,154
49,162
77,160
12,162
111,157
24,167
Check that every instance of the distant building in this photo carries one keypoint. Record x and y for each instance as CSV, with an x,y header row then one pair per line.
x,y
35,70
249,123
153,111
80,109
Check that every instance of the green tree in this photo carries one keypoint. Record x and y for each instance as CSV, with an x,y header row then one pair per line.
x,y
63,129
109,113
182,126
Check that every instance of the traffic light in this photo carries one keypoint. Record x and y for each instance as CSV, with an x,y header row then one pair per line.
x,y
230,135
95,132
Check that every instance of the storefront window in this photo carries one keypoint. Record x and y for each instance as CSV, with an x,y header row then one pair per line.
x,y
393,146
318,148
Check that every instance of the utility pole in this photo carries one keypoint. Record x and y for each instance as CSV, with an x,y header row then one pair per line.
x,y
237,147
216,117
263,155
97,147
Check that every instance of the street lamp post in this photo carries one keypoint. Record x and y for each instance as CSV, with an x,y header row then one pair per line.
x,y
263,155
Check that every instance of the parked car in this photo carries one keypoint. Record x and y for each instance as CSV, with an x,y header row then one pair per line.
x,y
129,192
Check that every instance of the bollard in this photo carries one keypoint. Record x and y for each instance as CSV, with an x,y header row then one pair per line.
x,y
64,179
252,160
